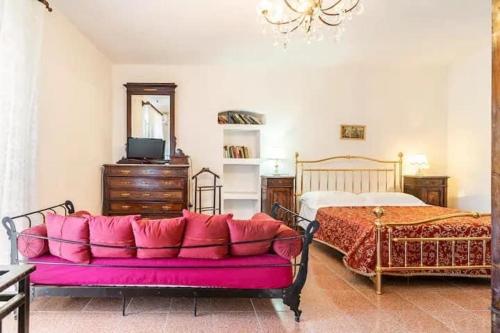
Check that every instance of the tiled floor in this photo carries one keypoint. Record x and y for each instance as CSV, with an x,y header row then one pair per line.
x,y
334,300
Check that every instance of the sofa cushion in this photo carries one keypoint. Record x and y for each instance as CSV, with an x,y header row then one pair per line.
x,y
251,230
262,216
288,248
255,272
31,247
115,231
158,233
205,230
70,228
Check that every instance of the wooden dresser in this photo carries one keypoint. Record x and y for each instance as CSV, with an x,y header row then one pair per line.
x,y
277,189
154,191
433,190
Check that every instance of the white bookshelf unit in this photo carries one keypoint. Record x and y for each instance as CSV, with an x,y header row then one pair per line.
x,y
241,176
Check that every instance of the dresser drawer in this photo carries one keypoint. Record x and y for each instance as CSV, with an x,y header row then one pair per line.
x,y
175,196
280,182
124,171
130,183
145,207
425,181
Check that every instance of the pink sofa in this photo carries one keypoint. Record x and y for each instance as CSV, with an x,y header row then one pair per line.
x,y
267,275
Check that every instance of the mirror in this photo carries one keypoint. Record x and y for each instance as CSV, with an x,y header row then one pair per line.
x,y
150,112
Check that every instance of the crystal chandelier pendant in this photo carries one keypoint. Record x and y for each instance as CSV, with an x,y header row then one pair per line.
x,y
309,16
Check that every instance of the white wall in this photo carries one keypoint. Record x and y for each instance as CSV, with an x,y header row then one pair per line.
x,y
74,117
404,108
469,130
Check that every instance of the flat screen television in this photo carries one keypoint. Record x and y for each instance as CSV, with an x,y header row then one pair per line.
x,y
142,148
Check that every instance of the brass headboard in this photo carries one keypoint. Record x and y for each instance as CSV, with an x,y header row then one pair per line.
x,y
355,174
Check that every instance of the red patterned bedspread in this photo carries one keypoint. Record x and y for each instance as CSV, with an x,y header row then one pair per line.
x,y
351,230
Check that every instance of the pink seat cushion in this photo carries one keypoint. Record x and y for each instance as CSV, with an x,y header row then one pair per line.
x,y
212,275
31,247
68,228
115,231
251,230
158,233
205,230
289,248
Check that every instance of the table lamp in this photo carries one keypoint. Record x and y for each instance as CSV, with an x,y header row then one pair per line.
x,y
277,154
419,162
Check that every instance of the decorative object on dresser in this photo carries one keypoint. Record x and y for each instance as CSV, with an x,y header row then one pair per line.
x,y
433,190
151,112
150,190
278,189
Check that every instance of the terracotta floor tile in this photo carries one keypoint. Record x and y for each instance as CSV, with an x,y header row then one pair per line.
x,y
230,322
349,301
104,304
186,304
376,321
469,300
148,305
269,305
429,300
185,322
280,322
59,303
231,304
419,322
463,321
116,323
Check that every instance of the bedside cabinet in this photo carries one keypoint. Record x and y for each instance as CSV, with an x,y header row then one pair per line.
x,y
433,190
278,189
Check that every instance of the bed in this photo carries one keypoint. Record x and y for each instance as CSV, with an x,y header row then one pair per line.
x,y
363,214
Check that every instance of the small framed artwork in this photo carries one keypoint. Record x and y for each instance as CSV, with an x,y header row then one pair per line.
x,y
353,132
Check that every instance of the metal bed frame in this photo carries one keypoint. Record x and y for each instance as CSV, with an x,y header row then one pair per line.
x,y
290,295
377,175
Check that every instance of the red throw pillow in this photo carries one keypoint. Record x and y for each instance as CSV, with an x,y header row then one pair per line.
x,y
31,247
158,233
112,230
205,230
68,228
250,230
289,248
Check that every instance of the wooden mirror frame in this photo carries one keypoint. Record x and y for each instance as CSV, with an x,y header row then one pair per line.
x,y
166,89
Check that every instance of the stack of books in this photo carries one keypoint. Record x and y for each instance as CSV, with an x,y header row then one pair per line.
x,y
236,152
234,117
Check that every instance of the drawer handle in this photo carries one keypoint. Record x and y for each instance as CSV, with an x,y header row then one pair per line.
x,y
146,194
124,183
125,194
167,195
144,207
125,206
166,207
125,172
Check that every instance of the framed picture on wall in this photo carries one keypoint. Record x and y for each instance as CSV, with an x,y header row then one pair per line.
x,y
353,132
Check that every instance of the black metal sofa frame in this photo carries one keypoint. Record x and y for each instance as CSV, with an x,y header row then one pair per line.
x,y
290,295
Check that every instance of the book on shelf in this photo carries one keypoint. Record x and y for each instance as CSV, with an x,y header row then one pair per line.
x,y
239,117
236,152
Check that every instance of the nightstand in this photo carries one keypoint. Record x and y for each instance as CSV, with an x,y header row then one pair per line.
x,y
433,190
278,189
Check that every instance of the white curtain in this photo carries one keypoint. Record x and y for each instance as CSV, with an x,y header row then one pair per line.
x,y
21,29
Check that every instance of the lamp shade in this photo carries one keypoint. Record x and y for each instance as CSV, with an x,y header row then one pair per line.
x,y
418,161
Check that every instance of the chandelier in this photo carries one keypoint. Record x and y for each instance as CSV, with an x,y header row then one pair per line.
x,y
310,16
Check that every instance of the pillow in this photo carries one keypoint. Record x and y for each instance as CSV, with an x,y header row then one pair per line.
x,y
68,228
158,233
205,230
262,216
249,230
390,199
31,247
331,198
289,248
112,230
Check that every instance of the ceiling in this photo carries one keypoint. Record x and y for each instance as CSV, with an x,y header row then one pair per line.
x,y
229,32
